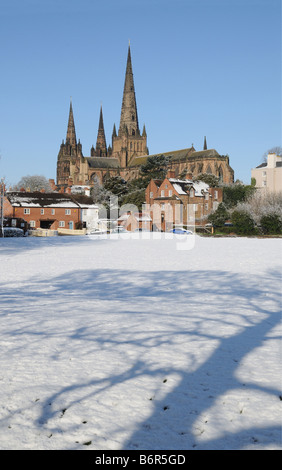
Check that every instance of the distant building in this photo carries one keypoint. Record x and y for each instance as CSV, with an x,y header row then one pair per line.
x,y
268,175
128,150
52,211
133,221
89,211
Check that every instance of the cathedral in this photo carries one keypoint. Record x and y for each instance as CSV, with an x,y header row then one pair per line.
x,y
129,150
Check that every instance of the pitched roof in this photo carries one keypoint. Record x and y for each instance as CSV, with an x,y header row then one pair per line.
x,y
206,153
38,199
181,186
84,201
102,162
175,155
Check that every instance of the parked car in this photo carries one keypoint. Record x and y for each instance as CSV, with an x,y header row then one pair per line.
x,y
13,232
181,231
97,232
141,230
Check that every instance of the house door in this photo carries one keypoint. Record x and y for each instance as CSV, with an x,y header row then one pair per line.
x,y
71,225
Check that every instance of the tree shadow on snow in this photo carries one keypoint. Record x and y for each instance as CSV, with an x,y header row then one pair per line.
x,y
174,308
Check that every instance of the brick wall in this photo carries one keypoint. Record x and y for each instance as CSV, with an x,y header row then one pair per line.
x,y
48,217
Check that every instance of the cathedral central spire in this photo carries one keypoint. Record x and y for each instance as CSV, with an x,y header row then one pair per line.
x,y
129,116
71,136
101,147
129,142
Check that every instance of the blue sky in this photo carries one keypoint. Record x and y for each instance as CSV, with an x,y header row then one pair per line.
x,y
201,68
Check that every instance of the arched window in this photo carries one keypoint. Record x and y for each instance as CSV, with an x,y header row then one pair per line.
x,y
220,174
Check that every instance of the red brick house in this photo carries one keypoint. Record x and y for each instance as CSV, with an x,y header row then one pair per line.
x,y
180,202
44,210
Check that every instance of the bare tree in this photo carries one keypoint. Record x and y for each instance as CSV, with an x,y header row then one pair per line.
x,y
277,150
33,183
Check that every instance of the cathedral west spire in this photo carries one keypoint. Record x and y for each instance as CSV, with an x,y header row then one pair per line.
x,y
70,151
129,116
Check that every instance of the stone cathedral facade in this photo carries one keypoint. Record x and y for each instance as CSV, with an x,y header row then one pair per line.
x,y
128,150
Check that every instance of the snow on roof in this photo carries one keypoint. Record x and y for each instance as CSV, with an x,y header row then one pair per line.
x,y
37,199
88,206
124,216
200,188
179,189
175,180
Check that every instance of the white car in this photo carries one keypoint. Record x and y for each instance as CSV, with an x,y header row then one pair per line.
x,y
181,231
97,232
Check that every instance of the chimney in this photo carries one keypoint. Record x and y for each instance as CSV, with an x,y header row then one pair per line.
x,y
171,174
271,160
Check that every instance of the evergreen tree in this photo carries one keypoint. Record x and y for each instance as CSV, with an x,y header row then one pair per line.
x,y
211,180
219,217
236,193
116,185
137,198
243,222
155,167
271,224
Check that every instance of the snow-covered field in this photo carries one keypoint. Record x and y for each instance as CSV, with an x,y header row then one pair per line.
x,y
129,343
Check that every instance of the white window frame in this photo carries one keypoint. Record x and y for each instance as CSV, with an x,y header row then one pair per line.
x,y
26,211
67,211
52,211
32,223
42,211
62,223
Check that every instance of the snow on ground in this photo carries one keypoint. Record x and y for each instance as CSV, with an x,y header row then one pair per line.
x,y
127,343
